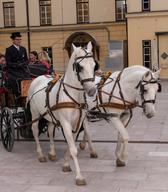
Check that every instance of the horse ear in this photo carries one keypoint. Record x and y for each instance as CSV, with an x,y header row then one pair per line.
x,y
147,76
157,74
73,47
89,46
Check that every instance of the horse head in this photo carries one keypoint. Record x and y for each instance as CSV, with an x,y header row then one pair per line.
x,y
84,67
149,86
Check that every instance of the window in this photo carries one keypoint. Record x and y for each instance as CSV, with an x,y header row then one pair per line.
x,y
120,10
45,12
147,53
145,5
82,11
9,14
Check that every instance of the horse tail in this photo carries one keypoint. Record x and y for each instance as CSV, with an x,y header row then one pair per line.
x,y
26,132
28,112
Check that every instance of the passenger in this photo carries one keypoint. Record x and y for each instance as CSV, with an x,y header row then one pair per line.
x,y
45,59
2,60
33,57
37,67
2,65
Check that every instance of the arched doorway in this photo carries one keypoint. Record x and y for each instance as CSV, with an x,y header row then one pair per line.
x,y
82,39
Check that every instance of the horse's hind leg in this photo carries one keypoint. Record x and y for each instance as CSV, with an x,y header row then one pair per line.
x,y
122,141
82,144
40,154
66,166
87,136
52,153
121,149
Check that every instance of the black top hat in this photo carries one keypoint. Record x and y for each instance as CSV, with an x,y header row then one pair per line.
x,y
15,34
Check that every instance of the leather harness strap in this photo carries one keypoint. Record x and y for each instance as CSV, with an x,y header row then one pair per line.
x,y
126,104
62,105
118,105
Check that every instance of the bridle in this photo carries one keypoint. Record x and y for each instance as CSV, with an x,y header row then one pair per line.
x,y
142,84
78,68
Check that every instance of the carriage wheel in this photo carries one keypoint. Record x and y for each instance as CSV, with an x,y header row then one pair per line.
x,y
7,129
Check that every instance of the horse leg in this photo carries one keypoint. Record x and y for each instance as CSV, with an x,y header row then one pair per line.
x,y
66,166
73,152
82,144
67,157
40,154
52,153
122,141
121,146
93,153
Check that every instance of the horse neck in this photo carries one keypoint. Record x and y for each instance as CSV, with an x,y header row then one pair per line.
x,y
129,83
70,78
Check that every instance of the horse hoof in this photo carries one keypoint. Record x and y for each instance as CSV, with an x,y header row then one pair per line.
x,y
120,163
80,182
66,169
51,157
82,146
42,159
93,155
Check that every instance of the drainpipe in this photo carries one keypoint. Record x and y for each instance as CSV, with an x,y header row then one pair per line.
x,y
28,26
126,7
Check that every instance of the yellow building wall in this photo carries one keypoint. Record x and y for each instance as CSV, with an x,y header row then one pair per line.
x,y
102,11
134,6
34,14
144,28
20,13
159,5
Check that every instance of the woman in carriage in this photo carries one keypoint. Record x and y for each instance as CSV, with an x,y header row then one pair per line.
x,y
39,66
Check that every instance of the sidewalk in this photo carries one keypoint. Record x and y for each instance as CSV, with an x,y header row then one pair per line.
x,y
146,171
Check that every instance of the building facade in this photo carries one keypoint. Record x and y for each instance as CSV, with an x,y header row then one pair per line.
x,y
148,34
54,25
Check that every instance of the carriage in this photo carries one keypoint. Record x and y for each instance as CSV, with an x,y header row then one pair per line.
x,y
15,121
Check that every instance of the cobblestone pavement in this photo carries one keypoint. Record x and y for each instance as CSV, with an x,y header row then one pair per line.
x,y
146,171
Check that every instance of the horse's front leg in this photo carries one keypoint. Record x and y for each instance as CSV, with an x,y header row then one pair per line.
x,y
73,151
123,138
40,154
86,138
52,153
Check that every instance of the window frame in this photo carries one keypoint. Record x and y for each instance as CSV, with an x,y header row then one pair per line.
x,y
13,7
116,13
149,54
77,15
46,24
149,8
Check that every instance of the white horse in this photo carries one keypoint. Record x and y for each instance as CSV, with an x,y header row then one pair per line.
x,y
78,79
134,81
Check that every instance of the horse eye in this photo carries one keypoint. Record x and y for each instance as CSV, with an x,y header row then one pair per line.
x,y
145,91
79,68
